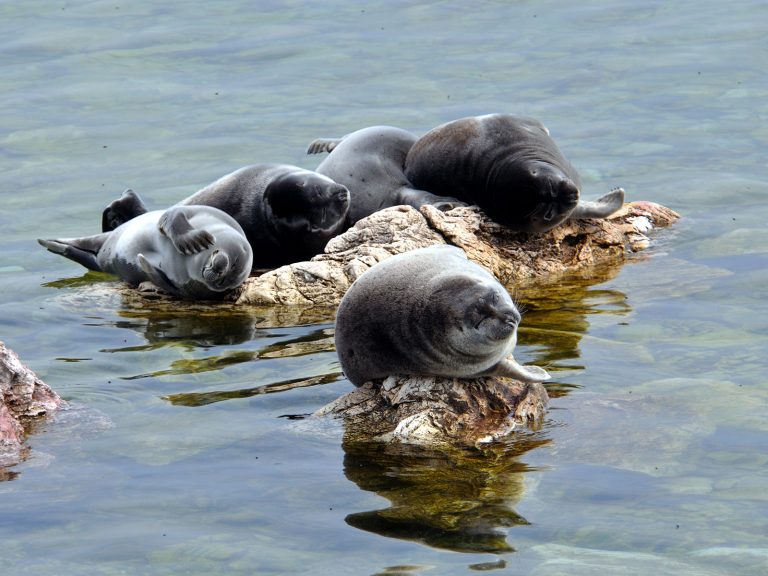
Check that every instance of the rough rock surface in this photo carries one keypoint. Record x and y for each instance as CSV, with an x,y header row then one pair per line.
x,y
433,411
23,397
515,258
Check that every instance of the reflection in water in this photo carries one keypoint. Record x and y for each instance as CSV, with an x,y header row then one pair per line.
x,y
456,499
202,398
194,326
463,499
314,342
191,330
555,320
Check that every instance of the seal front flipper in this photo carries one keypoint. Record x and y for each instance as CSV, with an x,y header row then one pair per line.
x,y
157,276
185,238
119,211
82,250
321,145
417,198
509,367
600,208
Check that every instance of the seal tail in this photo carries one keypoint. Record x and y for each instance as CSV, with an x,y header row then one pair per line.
x,y
84,251
119,211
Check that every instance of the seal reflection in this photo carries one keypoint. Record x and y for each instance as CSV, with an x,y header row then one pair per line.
x,y
457,499
463,498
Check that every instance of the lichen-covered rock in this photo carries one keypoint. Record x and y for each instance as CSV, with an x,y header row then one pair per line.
x,y
432,411
515,258
23,396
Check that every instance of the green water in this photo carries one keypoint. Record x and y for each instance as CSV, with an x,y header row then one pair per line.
x,y
179,454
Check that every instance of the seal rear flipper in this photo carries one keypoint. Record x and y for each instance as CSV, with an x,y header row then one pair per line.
x,y
185,238
82,250
157,276
600,208
321,145
119,211
510,368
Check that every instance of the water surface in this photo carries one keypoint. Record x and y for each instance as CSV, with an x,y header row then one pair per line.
x,y
180,453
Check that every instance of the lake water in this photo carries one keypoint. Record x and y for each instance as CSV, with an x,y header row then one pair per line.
x,y
179,454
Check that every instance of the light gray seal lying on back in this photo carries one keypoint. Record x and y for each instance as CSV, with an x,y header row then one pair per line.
x,y
194,252
369,162
509,166
287,213
429,311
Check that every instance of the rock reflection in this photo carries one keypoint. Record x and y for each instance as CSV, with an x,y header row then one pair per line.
x,y
193,399
314,342
455,499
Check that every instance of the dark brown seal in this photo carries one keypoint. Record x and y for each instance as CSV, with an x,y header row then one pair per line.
x,y
509,166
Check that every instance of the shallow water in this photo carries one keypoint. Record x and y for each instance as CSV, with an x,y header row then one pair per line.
x,y
179,454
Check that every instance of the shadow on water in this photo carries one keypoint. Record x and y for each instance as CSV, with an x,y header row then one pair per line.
x,y
454,499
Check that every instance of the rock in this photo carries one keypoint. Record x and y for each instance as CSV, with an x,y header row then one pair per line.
x,y
438,411
23,397
431,411
515,258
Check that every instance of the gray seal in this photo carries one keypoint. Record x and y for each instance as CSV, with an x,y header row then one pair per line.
x,y
287,213
370,163
194,252
510,167
429,311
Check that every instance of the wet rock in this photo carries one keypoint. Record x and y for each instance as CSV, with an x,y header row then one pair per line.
x,y
432,411
23,398
515,258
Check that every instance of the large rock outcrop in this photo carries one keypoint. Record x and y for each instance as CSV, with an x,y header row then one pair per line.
x,y
515,258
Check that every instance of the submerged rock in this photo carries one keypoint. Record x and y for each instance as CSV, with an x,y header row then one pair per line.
x,y
23,397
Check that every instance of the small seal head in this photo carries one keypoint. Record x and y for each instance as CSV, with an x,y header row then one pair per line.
x,y
308,205
541,195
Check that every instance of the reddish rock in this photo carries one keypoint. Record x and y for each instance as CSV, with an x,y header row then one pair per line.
x,y
23,397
